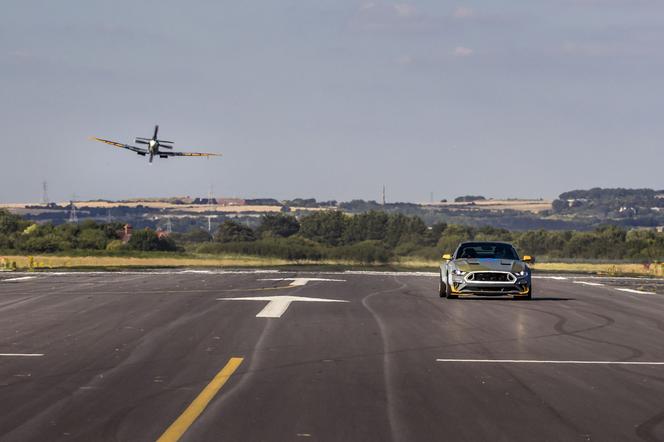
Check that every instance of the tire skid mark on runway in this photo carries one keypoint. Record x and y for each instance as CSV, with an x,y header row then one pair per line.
x,y
435,303
539,398
396,431
564,421
15,303
251,366
113,423
617,308
560,327
624,369
649,425
620,309
646,429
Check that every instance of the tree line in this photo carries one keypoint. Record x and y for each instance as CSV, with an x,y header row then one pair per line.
x,y
20,235
379,236
367,237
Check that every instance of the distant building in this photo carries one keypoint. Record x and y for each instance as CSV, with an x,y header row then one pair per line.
x,y
125,234
231,202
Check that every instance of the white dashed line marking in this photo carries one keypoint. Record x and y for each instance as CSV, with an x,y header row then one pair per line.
x,y
638,292
22,278
21,355
594,284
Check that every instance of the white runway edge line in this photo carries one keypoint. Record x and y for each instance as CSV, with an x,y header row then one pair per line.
x,y
22,278
638,292
531,361
21,355
594,284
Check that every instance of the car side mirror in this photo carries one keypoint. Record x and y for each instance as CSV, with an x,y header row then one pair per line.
x,y
447,257
528,258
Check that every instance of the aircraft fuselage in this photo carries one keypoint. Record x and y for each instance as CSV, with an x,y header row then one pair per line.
x,y
153,147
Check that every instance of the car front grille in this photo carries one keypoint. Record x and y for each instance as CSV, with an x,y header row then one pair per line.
x,y
491,277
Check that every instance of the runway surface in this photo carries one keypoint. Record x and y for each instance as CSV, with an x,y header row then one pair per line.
x,y
137,356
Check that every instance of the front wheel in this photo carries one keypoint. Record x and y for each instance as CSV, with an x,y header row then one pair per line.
x,y
442,287
527,297
448,292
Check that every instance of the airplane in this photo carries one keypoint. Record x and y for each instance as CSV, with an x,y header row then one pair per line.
x,y
153,147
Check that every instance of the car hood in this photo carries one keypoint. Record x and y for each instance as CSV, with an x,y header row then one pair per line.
x,y
483,265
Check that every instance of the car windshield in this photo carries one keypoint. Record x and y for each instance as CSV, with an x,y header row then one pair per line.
x,y
486,251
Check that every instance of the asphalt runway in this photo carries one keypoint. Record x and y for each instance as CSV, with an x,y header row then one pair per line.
x,y
138,356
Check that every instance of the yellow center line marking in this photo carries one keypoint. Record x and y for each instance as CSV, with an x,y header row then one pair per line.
x,y
182,424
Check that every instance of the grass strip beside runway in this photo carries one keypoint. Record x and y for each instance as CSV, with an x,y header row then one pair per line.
x,y
161,261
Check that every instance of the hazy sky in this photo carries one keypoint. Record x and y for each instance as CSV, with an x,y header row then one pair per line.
x,y
330,98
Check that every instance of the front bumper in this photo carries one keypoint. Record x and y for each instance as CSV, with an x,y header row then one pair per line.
x,y
467,285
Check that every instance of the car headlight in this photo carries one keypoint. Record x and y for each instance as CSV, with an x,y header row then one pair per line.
x,y
521,273
458,272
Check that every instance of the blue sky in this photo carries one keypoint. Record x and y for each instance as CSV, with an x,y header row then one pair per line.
x,y
332,99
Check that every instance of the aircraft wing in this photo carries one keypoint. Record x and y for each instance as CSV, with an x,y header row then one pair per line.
x,y
188,154
124,146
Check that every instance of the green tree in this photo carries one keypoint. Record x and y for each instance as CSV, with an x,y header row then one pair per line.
x,y
324,227
10,223
92,239
434,233
278,224
370,226
402,229
47,243
453,235
147,240
197,234
231,231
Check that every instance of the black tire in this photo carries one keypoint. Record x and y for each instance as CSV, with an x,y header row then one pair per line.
x,y
448,292
526,297
442,288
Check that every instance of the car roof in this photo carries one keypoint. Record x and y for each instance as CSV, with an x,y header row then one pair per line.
x,y
485,242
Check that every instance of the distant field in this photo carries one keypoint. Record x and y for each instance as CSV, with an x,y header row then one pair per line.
x,y
535,206
195,208
189,208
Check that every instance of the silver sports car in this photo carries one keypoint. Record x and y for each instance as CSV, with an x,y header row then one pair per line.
x,y
485,268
